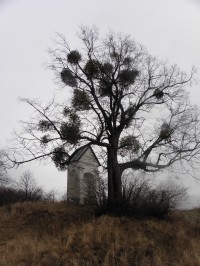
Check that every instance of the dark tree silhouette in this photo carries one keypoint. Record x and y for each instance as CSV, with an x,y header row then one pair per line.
x,y
28,187
3,169
125,102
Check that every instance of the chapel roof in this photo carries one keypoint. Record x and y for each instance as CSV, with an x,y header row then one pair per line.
x,y
78,153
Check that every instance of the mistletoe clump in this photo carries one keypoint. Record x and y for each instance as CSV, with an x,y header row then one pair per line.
x,y
74,57
105,87
70,132
127,77
127,61
92,69
68,78
105,83
166,131
129,143
158,94
44,125
44,139
107,68
80,100
60,157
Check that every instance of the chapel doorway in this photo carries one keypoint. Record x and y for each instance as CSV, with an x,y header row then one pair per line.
x,y
88,187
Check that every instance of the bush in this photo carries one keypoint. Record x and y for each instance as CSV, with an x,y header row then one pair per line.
x,y
28,187
24,189
140,199
9,196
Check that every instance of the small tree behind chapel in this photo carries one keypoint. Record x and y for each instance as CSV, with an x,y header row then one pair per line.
x,y
126,103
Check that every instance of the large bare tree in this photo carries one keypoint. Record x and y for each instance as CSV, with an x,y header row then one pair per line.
x,y
125,102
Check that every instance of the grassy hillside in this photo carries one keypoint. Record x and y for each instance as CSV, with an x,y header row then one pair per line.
x,y
59,234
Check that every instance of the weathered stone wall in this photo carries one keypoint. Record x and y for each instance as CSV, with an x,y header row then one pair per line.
x,y
77,171
73,184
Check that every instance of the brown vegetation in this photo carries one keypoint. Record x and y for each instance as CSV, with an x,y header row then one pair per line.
x,y
43,233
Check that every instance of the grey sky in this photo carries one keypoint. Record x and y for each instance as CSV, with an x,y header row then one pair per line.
x,y
169,29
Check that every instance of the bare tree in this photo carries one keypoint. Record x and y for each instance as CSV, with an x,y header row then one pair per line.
x,y
3,169
28,185
128,104
50,195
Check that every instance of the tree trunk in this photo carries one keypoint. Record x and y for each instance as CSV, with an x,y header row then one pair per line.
x,y
114,179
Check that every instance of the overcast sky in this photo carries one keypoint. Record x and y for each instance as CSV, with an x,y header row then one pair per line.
x,y
169,29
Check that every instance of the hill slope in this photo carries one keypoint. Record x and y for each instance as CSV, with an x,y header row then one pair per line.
x,y
60,234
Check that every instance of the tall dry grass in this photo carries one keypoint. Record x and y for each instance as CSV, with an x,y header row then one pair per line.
x,y
59,234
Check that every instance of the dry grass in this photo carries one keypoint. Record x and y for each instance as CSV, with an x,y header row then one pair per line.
x,y
58,234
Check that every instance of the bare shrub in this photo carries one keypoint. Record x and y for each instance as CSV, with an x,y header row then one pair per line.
x,y
96,199
50,196
4,179
28,187
140,198
10,195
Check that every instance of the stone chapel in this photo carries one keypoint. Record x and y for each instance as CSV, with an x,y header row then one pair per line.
x,y
82,173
